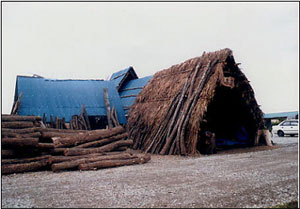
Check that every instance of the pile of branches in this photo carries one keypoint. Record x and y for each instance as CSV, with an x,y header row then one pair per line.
x,y
58,123
28,147
81,121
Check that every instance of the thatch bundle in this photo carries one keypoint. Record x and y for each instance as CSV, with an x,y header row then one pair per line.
x,y
207,92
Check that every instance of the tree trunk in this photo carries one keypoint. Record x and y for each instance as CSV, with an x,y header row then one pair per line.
x,y
23,167
113,163
45,145
24,160
20,142
121,148
7,153
59,134
74,163
87,137
58,159
101,142
20,118
21,131
17,124
53,130
105,148
57,151
15,135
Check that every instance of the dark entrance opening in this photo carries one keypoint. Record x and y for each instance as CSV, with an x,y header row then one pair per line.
x,y
228,117
98,122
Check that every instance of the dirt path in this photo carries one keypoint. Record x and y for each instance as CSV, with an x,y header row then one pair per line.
x,y
253,179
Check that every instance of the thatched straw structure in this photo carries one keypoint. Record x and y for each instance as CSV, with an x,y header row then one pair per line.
x,y
179,103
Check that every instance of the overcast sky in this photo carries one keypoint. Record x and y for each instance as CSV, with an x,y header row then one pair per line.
x,y
93,40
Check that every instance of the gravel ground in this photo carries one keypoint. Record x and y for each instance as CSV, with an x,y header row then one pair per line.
x,y
249,179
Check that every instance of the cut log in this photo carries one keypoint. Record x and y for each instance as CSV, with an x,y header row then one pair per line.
x,y
45,146
20,142
23,167
58,159
16,135
57,151
87,137
101,142
121,148
17,124
31,135
58,134
20,118
9,134
25,160
62,130
7,153
21,131
74,163
114,163
105,148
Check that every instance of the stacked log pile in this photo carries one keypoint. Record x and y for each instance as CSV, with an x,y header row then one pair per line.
x,y
26,146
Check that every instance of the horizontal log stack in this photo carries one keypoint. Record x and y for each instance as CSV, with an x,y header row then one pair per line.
x,y
27,146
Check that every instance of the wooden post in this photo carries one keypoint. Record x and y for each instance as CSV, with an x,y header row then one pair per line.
x,y
17,105
105,96
85,117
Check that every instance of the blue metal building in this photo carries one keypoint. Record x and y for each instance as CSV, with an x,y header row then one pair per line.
x,y
64,98
129,86
129,91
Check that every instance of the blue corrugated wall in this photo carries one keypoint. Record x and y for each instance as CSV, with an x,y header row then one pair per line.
x,y
130,90
64,98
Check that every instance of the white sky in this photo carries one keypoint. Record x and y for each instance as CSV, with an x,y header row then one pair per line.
x,y
93,40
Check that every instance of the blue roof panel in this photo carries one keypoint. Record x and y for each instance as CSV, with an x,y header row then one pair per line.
x,y
64,98
119,76
133,87
141,82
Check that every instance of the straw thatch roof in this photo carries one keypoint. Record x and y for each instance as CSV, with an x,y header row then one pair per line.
x,y
176,101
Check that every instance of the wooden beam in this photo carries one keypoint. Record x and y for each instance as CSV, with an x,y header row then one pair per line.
x,y
132,95
105,96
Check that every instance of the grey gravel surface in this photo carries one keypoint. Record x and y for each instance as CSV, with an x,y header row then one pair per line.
x,y
251,179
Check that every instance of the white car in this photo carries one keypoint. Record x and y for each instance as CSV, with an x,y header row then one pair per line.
x,y
286,127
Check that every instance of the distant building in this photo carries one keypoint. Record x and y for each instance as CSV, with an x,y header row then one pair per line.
x,y
277,117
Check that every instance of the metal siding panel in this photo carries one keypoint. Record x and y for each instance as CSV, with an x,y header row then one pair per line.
x,y
128,101
63,98
130,92
141,82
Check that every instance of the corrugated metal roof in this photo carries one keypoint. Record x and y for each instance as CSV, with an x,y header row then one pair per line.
x,y
119,77
130,90
64,98
281,115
